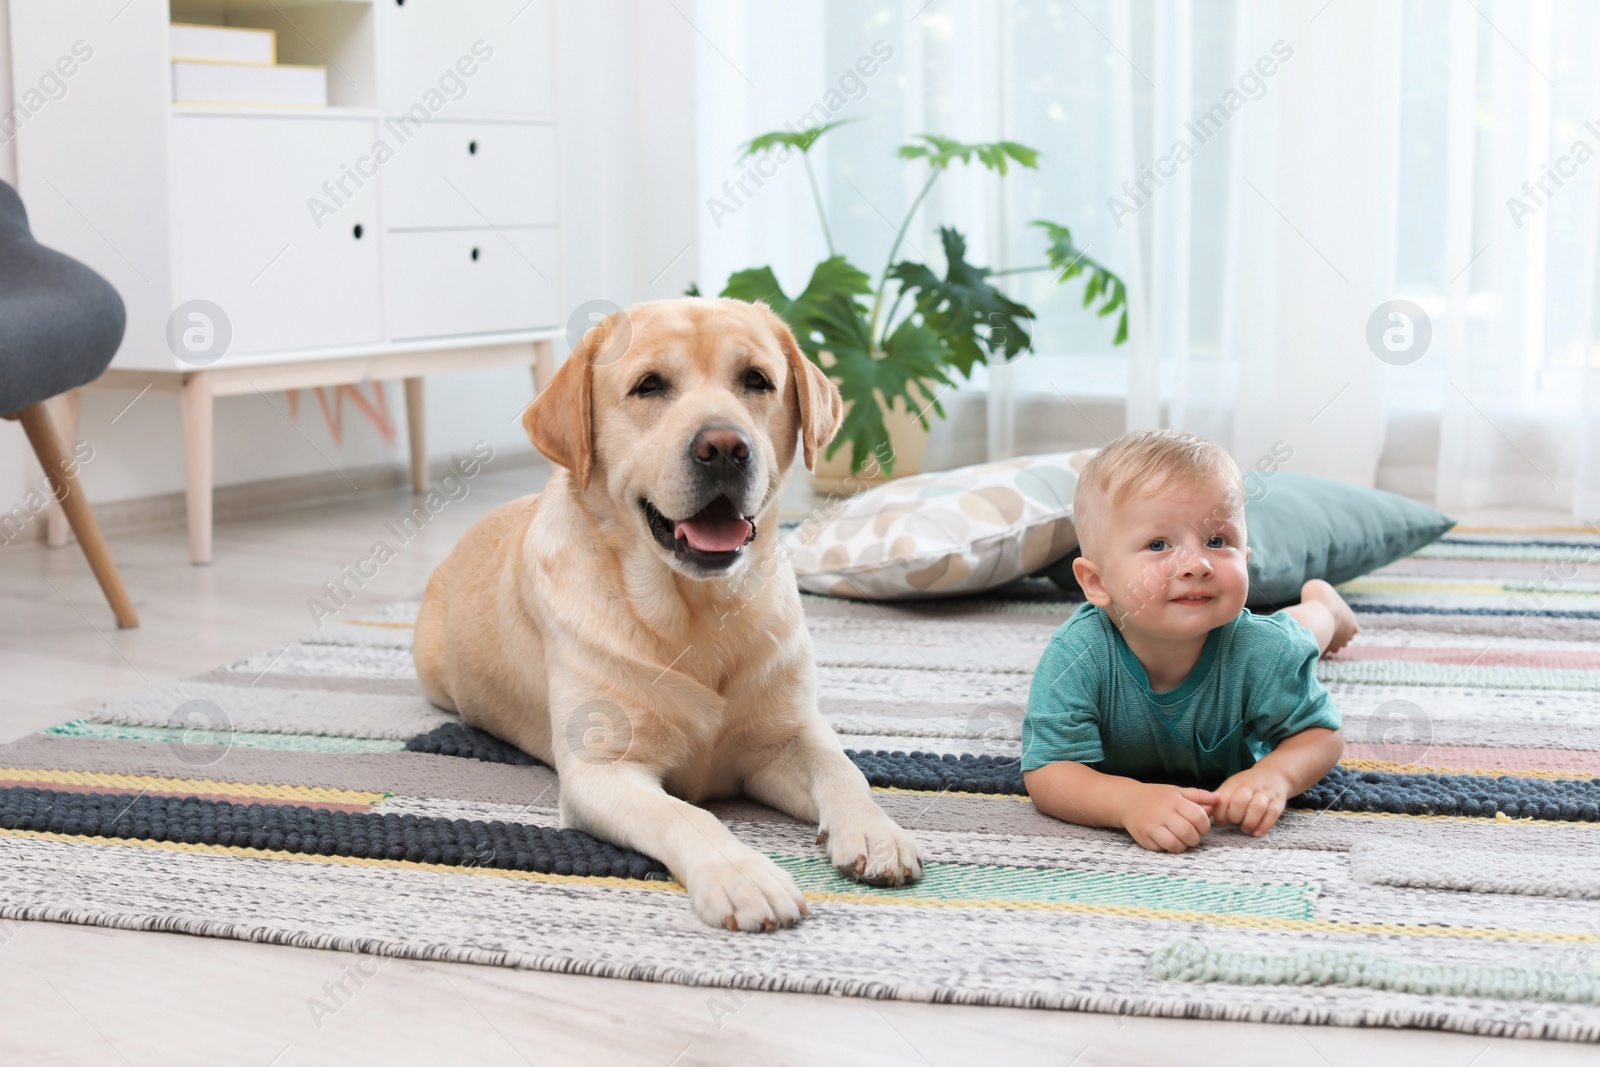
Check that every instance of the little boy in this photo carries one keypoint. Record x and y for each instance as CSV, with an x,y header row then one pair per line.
x,y
1163,705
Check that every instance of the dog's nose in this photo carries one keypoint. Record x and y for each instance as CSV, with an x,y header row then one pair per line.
x,y
721,448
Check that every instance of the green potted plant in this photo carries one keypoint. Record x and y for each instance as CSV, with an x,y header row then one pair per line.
x,y
892,358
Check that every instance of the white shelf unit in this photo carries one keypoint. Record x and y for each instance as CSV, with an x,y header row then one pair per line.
x,y
415,215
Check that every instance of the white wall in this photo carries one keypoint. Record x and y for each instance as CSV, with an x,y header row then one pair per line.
x,y
626,95
8,153
14,452
626,111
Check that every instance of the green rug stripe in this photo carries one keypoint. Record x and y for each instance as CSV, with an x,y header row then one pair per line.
x,y
1400,672
1192,961
980,882
175,735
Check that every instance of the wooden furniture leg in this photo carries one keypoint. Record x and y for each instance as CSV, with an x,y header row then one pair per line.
x,y
198,390
417,432
544,365
64,413
60,469
197,403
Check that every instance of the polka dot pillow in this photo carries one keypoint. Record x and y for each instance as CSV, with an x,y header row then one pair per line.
x,y
941,534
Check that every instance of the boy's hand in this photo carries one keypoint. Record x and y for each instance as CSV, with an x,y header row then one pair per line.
x,y
1253,799
1168,818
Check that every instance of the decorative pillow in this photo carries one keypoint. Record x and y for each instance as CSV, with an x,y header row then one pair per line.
x,y
1303,527
958,531
1307,527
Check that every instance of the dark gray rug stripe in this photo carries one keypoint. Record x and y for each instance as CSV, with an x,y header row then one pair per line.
x,y
304,830
1484,796
1365,608
459,739
1576,541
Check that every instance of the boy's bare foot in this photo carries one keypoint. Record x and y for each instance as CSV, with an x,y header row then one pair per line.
x,y
1344,620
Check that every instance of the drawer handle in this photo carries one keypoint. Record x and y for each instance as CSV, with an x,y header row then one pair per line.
x,y
356,231
472,148
474,254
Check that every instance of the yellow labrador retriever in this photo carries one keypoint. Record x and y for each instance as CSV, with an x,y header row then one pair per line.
x,y
636,625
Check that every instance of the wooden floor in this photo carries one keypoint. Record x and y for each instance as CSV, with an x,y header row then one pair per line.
x,y
83,995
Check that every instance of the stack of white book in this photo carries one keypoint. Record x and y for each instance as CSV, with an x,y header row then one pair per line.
x,y
234,65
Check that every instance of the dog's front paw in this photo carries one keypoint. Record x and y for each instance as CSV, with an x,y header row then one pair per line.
x,y
872,848
746,892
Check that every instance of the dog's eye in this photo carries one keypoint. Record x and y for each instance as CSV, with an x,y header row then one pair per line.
x,y
757,382
649,385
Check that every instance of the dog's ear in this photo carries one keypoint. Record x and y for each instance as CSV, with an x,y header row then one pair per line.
x,y
560,421
819,408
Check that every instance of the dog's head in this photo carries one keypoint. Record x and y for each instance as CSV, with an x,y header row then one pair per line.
x,y
683,415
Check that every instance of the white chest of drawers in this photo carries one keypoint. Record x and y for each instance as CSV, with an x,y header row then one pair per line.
x,y
410,227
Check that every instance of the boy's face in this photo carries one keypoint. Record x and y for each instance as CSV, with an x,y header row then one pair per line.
x,y
1170,563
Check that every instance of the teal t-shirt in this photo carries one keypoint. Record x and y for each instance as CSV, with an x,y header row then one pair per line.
x,y
1253,685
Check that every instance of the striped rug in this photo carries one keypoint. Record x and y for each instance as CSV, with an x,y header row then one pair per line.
x,y
1446,875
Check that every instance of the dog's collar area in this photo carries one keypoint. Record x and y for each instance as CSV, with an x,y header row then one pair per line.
x,y
717,527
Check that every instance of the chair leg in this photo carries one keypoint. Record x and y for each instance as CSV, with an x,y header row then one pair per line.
x,y
544,365
58,467
66,406
417,431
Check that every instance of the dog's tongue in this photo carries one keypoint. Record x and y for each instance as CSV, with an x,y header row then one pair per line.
x,y
717,527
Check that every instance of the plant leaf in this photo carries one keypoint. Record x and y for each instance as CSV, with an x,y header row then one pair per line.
x,y
913,357
815,315
759,283
940,152
971,318
1070,261
801,139
827,317
837,275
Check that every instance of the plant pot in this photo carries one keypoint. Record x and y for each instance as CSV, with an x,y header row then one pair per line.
x,y
907,437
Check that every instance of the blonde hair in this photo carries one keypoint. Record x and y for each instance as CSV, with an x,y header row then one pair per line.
x,y
1150,461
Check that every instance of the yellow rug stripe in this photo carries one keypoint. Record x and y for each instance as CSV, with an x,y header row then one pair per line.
x,y
1262,922
1473,933
266,790
1416,768
1413,585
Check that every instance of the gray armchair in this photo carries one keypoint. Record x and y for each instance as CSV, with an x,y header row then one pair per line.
x,y
60,324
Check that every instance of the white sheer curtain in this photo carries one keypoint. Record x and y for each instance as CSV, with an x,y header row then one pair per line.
x,y
1379,161
1521,407
1293,240
1340,156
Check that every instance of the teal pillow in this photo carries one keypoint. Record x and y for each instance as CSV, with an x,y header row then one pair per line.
x,y
1303,527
